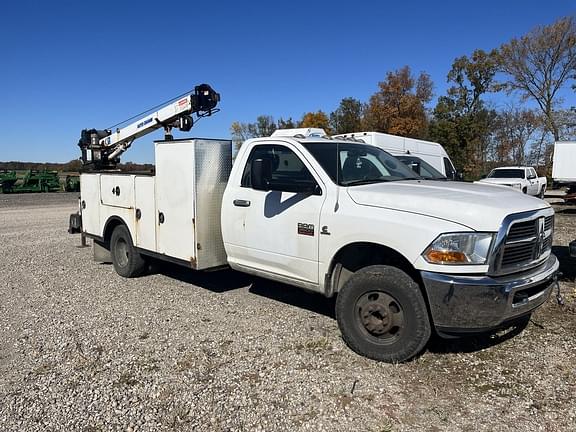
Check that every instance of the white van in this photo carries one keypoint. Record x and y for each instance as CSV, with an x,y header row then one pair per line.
x,y
429,151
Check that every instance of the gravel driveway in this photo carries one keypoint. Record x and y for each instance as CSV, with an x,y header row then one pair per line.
x,y
82,349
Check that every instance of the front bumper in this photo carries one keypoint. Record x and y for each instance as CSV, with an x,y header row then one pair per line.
x,y
474,304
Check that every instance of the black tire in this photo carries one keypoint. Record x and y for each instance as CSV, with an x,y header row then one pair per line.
x,y
382,314
541,193
127,261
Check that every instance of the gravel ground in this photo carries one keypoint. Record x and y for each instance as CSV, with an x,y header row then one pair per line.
x,y
82,349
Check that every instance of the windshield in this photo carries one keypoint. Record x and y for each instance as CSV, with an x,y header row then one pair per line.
x,y
506,173
422,168
350,164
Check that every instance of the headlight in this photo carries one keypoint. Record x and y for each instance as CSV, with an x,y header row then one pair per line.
x,y
459,248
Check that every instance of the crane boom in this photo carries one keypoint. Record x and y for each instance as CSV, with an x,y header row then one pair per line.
x,y
101,149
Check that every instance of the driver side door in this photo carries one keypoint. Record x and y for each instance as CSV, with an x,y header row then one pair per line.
x,y
279,229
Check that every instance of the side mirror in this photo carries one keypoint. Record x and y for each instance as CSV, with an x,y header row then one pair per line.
x,y
314,189
260,174
483,176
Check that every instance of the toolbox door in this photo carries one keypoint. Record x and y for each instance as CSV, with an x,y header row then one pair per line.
x,y
175,200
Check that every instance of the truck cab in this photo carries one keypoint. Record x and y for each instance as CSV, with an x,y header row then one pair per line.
x,y
347,218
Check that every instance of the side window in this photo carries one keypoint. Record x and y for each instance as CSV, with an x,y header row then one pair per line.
x,y
288,171
450,172
533,172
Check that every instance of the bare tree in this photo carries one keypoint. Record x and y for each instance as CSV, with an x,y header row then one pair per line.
x,y
264,126
539,64
514,133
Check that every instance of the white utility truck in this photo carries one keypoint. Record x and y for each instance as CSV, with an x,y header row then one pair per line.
x,y
429,151
522,179
404,256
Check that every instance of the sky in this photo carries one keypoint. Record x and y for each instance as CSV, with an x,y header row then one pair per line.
x,y
68,65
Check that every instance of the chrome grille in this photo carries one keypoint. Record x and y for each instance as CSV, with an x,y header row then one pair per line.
x,y
518,253
527,243
549,222
522,230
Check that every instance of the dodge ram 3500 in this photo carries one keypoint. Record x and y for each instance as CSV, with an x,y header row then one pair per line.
x,y
404,256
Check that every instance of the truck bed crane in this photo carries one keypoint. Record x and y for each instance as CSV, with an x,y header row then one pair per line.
x,y
101,149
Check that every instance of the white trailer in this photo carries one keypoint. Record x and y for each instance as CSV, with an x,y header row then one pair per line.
x,y
564,163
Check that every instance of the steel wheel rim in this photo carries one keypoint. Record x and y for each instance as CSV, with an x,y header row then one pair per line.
x,y
122,253
380,317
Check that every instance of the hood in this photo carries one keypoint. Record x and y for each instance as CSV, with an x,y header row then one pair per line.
x,y
501,181
479,207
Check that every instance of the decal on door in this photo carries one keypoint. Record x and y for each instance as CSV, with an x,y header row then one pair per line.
x,y
306,229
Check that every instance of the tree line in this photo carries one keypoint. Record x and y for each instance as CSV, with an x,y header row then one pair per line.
x,y
536,68
72,166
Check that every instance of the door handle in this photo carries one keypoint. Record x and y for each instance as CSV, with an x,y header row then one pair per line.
x,y
241,203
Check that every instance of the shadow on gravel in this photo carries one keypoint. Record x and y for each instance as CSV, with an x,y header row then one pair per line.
x,y
474,343
222,281
218,281
294,296
567,263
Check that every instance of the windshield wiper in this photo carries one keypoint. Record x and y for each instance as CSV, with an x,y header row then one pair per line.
x,y
365,181
408,178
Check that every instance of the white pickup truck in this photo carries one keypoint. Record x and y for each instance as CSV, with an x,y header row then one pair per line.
x,y
404,256
523,179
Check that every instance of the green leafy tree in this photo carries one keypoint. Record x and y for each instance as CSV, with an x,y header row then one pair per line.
x,y
265,126
286,124
347,117
461,121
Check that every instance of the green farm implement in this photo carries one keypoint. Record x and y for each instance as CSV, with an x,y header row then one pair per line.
x,y
32,181
72,183
7,180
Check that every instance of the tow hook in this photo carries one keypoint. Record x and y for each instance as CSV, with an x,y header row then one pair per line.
x,y
559,297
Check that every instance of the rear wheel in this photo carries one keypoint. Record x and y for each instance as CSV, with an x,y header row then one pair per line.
x,y
127,261
382,314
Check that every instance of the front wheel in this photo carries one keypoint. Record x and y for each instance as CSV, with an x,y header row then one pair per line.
x,y
127,261
382,314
